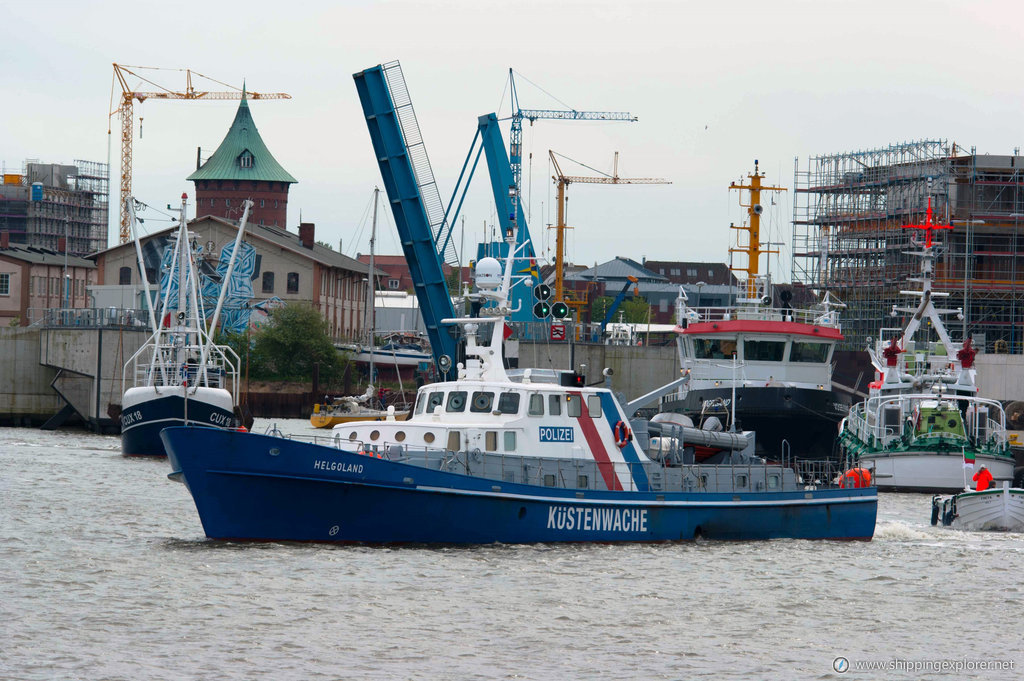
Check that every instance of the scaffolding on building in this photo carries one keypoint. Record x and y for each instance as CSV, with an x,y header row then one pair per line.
x,y
73,206
848,213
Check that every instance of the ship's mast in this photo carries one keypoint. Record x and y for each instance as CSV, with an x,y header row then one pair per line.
x,y
752,249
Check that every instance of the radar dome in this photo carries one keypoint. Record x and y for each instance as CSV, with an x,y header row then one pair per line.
x,y
488,273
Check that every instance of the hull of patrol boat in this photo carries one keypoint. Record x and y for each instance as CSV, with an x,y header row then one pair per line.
x,y
256,487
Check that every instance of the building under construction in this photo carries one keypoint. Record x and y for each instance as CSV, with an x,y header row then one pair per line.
x,y
47,203
848,214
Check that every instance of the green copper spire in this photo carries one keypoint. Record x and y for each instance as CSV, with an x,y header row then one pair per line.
x,y
243,155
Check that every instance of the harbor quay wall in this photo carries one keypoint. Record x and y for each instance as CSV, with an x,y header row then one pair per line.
x,y
637,369
1000,377
26,398
43,369
88,364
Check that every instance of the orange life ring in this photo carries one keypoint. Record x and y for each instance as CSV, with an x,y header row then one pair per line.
x,y
623,435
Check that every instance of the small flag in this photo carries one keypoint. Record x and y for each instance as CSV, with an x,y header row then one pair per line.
x,y
968,459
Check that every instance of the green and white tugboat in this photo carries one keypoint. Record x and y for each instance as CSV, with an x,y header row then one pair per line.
x,y
923,422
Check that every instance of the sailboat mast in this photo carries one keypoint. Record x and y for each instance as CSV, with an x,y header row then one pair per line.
x,y
182,315
370,288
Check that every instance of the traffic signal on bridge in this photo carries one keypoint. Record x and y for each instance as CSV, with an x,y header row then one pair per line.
x,y
542,308
560,310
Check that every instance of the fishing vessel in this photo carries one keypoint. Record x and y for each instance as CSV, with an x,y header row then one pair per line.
x,y
923,417
179,375
485,458
762,361
998,508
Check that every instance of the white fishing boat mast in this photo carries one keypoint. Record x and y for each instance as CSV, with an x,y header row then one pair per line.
x,y
944,362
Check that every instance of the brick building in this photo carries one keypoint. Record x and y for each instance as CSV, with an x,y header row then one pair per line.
x,y
284,267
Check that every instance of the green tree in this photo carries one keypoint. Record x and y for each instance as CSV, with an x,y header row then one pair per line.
x,y
637,310
293,340
634,310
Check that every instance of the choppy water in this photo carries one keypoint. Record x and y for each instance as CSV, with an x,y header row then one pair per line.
x,y
106,574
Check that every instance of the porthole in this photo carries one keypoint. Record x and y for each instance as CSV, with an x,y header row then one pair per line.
x,y
428,437
352,435
400,436
482,402
374,435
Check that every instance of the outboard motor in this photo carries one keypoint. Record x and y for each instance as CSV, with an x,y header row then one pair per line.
x,y
948,511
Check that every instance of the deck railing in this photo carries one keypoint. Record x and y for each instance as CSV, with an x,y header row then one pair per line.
x,y
582,475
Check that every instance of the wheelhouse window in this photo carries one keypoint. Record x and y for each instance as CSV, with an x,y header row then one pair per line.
x,y
421,403
816,353
482,402
714,348
436,399
763,350
594,406
456,401
555,405
508,403
536,407
574,406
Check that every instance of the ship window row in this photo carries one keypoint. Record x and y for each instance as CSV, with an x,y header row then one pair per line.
x,y
483,402
479,402
808,352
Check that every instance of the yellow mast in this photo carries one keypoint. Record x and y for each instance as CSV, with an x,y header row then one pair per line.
x,y
559,228
753,228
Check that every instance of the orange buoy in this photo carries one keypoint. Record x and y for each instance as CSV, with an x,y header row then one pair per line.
x,y
855,478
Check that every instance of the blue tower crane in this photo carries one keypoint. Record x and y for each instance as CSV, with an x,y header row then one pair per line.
x,y
515,138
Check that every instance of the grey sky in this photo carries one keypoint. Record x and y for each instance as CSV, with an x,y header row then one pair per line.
x,y
715,85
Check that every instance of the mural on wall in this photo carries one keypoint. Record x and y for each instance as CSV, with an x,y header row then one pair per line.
x,y
239,312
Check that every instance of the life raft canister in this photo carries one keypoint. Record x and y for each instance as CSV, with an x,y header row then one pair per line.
x,y
623,435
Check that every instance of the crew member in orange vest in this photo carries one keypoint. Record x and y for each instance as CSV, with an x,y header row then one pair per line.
x,y
983,478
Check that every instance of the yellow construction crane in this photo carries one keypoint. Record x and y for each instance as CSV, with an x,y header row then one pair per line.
x,y
578,299
125,105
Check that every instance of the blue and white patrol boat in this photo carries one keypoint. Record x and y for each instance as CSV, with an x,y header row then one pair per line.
x,y
485,458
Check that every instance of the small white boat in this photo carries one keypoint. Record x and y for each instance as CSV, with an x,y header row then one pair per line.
x,y
997,508
335,410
